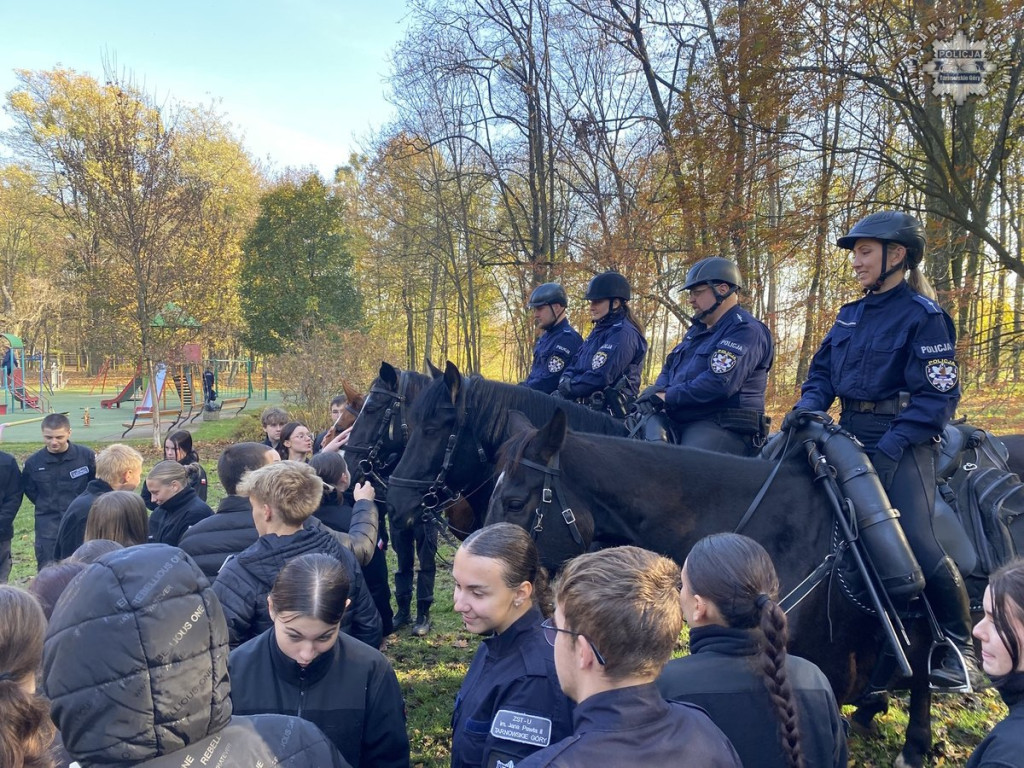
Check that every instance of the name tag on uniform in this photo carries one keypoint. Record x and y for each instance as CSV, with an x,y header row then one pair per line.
x,y
79,472
521,727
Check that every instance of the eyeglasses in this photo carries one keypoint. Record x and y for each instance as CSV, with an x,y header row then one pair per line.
x,y
551,632
693,293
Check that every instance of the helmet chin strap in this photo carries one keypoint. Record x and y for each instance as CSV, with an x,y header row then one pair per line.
x,y
884,274
719,298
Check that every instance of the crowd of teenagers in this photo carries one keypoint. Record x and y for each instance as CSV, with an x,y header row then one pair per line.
x,y
165,634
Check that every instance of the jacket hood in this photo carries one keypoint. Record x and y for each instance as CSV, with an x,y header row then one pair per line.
x,y
135,658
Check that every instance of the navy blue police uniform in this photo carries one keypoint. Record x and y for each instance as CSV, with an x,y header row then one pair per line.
x,y
714,382
510,704
890,358
553,351
614,348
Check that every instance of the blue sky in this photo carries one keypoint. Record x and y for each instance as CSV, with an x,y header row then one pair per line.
x,y
302,80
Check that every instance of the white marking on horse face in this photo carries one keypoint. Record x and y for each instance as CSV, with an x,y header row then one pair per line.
x,y
495,495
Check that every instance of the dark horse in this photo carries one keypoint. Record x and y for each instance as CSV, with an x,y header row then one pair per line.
x,y
665,498
457,425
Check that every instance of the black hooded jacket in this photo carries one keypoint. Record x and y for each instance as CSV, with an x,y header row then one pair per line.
x,y
135,666
214,539
71,533
245,581
171,519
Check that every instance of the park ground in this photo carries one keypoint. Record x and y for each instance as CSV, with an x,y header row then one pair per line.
x,y
431,669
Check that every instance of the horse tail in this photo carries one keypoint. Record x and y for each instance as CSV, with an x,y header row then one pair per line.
x,y
773,667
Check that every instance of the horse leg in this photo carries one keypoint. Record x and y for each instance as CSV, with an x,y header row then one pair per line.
x,y
862,721
918,741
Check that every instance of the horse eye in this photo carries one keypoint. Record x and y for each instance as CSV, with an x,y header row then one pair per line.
x,y
515,505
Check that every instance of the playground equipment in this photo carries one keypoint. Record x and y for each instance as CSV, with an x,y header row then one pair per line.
x,y
101,377
129,391
16,394
154,405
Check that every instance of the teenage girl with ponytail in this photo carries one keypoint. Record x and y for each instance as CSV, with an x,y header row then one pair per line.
x,y
26,731
778,710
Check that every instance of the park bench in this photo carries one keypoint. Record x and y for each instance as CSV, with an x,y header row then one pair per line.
x,y
146,413
237,404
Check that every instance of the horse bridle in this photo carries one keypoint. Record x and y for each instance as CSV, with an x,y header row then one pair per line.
x,y
386,428
551,497
437,494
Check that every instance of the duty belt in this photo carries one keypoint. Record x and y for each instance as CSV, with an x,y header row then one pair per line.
x,y
889,407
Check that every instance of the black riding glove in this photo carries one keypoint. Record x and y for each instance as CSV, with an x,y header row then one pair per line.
x,y
565,388
885,467
796,418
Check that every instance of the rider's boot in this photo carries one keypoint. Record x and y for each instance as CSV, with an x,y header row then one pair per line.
x,y
422,626
403,617
948,597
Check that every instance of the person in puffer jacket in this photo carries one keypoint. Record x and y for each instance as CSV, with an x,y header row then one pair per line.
x,y
284,495
154,692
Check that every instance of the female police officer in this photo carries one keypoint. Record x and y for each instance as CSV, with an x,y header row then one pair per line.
x,y
890,359
613,354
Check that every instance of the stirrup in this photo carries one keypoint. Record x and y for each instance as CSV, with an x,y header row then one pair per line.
x,y
949,646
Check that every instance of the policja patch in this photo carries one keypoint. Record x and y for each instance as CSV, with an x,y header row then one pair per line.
x,y
598,360
941,374
722,361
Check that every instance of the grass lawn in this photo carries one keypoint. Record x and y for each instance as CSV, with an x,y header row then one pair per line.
x,y
431,669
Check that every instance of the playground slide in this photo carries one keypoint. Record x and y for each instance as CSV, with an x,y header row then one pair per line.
x,y
125,394
21,394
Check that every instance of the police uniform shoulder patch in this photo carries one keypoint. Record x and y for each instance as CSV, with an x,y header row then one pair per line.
x,y
555,364
941,374
929,304
722,361
598,360
521,727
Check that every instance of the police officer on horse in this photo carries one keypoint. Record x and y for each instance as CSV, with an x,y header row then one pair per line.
x,y
710,393
559,343
890,359
606,371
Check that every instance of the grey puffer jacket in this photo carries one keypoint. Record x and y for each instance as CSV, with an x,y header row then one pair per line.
x,y
135,667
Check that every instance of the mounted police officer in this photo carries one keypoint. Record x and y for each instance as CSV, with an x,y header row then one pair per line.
x,y
890,358
712,384
606,370
558,344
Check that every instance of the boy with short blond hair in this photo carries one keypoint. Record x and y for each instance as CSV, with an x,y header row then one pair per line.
x,y
118,468
283,496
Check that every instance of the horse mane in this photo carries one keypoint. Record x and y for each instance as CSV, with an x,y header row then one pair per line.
x,y
512,450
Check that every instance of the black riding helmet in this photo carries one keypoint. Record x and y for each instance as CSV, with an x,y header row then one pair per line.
x,y
608,285
548,293
712,271
888,227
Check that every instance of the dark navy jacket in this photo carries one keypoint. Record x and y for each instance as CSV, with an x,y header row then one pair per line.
x,y
725,366
515,672
613,348
171,519
879,346
350,693
10,494
71,533
634,726
213,540
553,351
53,480
719,677
1004,746
244,582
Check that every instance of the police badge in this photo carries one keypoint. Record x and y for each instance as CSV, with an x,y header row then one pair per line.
x,y
941,374
555,364
598,360
722,361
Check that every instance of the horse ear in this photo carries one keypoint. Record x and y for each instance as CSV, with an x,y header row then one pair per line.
x,y
452,379
551,436
389,374
350,392
435,372
517,422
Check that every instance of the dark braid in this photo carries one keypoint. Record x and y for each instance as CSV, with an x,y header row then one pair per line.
x,y
737,575
772,658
